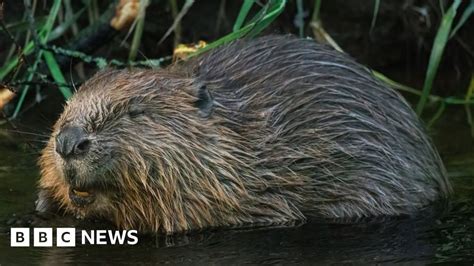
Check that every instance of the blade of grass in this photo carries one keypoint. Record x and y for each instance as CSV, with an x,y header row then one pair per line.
x,y
263,18
138,32
29,47
69,13
374,16
177,30
439,44
469,96
43,38
92,11
273,9
57,74
61,29
437,115
300,17
465,15
21,26
319,32
46,30
184,10
434,98
10,65
244,11
315,23
317,8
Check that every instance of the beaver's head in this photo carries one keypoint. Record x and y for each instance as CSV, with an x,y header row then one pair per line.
x,y
125,147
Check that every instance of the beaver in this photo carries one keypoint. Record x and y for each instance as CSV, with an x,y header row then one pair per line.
x,y
257,132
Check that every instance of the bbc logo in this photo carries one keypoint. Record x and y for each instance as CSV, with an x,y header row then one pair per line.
x,y
42,237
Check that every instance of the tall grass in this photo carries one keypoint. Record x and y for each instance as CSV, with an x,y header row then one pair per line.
x,y
437,50
244,11
138,25
374,16
444,33
40,39
45,29
264,17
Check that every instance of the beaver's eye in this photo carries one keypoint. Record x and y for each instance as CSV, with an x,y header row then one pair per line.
x,y
135,111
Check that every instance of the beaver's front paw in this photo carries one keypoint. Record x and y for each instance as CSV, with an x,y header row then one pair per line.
x,y
31,219
44,203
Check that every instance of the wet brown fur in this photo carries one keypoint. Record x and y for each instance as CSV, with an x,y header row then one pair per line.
x,y
294,130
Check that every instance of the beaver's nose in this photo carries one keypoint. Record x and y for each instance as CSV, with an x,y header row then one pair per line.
x,y
72,141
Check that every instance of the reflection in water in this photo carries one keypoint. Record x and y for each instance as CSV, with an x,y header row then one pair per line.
x,y
416,239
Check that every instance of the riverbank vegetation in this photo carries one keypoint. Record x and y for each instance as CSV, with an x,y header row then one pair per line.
x,y
421,48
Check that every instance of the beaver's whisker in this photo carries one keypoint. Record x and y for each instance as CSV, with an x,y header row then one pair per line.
x,y
27,133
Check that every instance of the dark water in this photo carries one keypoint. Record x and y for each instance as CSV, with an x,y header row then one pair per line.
x,y
429,237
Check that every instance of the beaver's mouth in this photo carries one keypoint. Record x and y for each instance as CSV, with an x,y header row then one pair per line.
x,y
81,197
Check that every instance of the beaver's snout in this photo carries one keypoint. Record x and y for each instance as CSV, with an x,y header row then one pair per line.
x,y
72,141
73,144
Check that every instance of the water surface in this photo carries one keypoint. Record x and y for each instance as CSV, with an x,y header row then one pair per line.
x,y
432,236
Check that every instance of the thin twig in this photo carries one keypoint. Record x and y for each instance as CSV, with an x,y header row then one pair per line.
x,y
187,5
177,29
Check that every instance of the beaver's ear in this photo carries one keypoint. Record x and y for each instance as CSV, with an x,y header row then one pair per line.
x,y
204,101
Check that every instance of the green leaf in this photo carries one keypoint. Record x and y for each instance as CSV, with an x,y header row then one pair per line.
x,y
43,38
57,74
28,49
316,9
21,26
437,50
244,10
469,96
259,22
137,35
374,16
465,15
